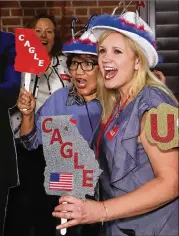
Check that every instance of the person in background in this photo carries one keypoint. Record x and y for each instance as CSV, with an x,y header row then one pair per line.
x,y
139,182
79,100
160,76
9,90
30,196
57,74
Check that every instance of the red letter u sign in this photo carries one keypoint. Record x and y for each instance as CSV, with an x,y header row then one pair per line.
x,y
170,129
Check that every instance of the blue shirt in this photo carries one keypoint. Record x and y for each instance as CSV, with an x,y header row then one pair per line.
x,y
9,79
65,102
126,167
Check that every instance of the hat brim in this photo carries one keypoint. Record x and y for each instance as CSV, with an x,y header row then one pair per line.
x,y
78,52
147,48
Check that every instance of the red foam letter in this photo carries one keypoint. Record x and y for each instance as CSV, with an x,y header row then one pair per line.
x,y
44,129
69,151
86,179
56,137
76,165
154,129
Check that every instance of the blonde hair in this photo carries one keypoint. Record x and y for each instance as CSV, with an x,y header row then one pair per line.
x,y
143,77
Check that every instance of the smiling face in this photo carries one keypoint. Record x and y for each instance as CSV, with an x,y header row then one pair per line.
x,y
45,30
117,61
85,81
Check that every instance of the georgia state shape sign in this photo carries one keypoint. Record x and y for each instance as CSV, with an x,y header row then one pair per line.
x,y
71,165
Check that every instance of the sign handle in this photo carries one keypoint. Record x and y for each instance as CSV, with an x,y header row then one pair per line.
x,y
27,83
63,220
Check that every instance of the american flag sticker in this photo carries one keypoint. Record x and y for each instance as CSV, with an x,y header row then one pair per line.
x,y
61,181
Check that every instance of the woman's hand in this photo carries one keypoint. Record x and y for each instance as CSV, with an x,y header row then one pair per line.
x,y
160,76
26,102
78,211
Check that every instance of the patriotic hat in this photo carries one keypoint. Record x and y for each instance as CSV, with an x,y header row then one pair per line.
x,y
131,25
86,44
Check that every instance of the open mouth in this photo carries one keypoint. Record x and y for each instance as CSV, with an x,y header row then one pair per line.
x,y
110,72
44,43
81,83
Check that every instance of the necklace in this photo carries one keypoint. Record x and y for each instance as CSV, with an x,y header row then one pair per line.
x,y
109,120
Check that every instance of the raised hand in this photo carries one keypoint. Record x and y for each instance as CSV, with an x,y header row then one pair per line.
x,y
78,211
160,76
26,102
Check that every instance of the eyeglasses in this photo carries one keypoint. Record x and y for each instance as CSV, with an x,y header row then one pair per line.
x,y
85,65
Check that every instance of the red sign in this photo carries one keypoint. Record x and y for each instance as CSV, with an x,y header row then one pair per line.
x,y
31,55
66,151
161,126
170,128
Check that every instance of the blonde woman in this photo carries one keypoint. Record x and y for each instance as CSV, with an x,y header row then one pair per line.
x,y
139,182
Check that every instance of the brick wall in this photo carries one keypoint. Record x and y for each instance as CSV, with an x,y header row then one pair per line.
x,y
17,13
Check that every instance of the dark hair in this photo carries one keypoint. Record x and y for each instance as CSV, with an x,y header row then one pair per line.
x,y
82,56
56,49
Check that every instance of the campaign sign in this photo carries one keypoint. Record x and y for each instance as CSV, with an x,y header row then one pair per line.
x,y
71,165
31,55
162,126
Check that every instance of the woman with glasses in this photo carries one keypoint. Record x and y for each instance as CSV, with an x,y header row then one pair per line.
x,y
79,100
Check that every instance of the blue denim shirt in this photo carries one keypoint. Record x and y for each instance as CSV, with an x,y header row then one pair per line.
x,y
126,166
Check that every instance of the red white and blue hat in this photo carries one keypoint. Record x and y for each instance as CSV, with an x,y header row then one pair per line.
x,y
86,44
131,25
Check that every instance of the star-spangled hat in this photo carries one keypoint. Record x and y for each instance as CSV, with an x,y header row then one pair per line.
x,y
134,27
